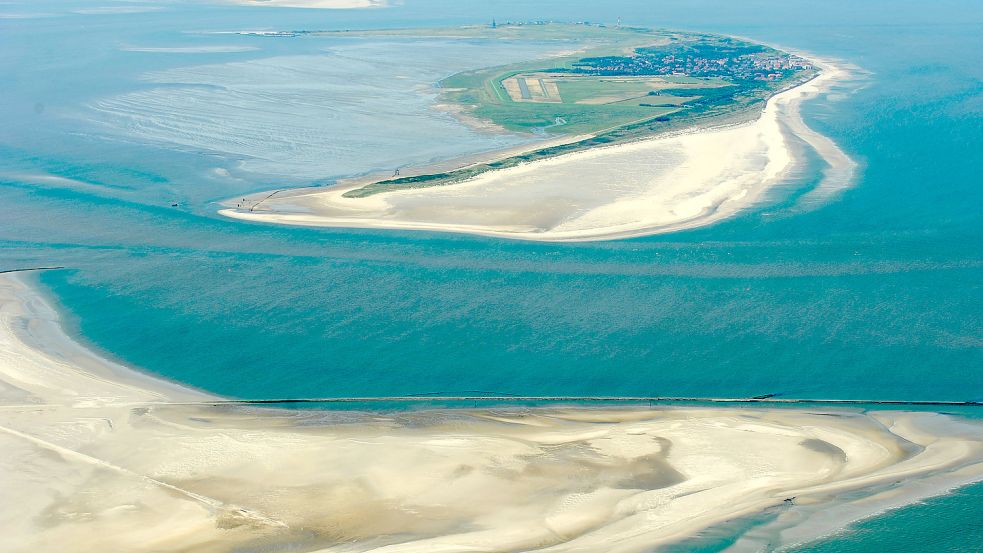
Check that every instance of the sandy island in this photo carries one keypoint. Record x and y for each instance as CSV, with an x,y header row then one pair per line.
x,y
97,457
663,184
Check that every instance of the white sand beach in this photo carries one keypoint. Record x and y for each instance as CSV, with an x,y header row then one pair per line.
x,y
651,186
98,457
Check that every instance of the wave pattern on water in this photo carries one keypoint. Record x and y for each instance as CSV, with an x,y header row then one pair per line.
x,y
310,116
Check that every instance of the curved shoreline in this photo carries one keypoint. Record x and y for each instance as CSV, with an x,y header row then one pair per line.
x,y
575,201
124,467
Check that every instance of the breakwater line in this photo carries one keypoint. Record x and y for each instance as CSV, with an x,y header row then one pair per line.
x,y
26,269
589,399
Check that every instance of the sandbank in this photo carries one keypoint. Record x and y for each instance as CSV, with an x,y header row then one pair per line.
x,y
98,457
666,183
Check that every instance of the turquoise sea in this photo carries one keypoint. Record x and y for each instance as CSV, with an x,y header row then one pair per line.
x,y
111,115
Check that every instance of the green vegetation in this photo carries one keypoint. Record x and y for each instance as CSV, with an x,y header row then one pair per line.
x,y
629,84
486,97
578,90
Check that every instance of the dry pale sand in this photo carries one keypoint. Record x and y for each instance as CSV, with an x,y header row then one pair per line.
x,y
100,458
651,186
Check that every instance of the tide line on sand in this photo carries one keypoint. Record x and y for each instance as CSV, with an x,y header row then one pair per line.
x,y
650,186
98,457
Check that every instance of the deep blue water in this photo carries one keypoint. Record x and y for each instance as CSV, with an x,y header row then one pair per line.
x,y
876,295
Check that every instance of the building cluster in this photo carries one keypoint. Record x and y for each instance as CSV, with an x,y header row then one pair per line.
x,y
509,23
762,66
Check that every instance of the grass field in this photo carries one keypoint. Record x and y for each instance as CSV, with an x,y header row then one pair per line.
x,y
491,101
598,90
483,93
513,96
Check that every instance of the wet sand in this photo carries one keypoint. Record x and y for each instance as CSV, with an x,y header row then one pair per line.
x,y
101,457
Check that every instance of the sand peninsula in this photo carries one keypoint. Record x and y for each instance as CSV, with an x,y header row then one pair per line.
x,y
98,457
682,167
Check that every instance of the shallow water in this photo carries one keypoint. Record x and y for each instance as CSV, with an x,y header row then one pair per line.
x,y
943,524
873,294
